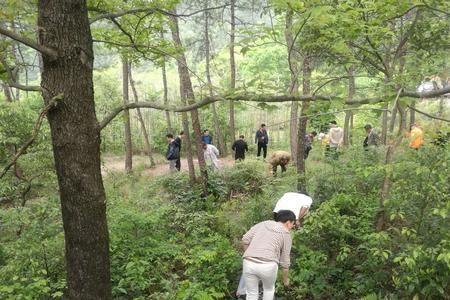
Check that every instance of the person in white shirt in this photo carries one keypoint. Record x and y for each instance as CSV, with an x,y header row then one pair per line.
x,y
299,203
211,155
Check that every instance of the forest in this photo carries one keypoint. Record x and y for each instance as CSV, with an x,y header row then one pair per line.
x,y
101,101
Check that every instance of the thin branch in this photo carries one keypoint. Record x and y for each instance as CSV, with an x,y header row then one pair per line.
x,y
30,43
427,114
12,79
37,127
110,15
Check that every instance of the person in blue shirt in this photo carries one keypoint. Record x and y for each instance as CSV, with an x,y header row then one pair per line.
x,y
262,139
206,138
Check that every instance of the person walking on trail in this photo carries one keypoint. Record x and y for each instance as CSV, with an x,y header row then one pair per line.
x,y
240,147
336,138
309,139
297,202
262,139
206,137
173,152
372,138
267,245
416,136
211,155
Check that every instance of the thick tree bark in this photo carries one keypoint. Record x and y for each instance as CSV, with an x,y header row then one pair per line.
x,y
188,93
217,129
303,122
148,148
232,71
64,26
165,89
293,61
348,114
126,118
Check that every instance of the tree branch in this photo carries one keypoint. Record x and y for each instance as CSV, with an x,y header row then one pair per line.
x,y
30,43
109,15
37,127
260,98
12,79
206,101
428,115
424,95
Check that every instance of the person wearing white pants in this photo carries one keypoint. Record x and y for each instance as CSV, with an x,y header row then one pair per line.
x,y
267,245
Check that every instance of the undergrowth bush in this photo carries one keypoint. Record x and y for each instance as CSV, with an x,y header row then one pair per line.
x,y
169,242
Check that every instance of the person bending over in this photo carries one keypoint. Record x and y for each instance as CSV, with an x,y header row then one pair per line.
x,y
279,158
297,202
267,245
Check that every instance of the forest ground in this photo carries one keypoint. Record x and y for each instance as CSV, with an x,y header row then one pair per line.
x,y
141,164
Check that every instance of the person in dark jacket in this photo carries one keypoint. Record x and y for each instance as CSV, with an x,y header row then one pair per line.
x,y
262,139
240,147
372,138
206,137
309,139
173,151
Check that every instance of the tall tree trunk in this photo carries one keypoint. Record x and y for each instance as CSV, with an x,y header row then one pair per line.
x,y
293,61
166,98
393,117
350,136
188,93
232,71
441,107
303,122
218,130
148,148
126,118
402,119
75,136
412,114
7,92
384,126
348,114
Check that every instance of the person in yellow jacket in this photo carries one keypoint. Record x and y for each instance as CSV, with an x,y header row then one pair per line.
x,y
416,136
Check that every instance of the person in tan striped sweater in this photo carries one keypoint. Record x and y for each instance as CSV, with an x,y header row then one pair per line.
x,y
267,245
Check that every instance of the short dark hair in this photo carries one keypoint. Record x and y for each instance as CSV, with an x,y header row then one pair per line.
x,y
241,136
181,132
169,135
314,133
333,122
263,125
367,126
205,130
285,215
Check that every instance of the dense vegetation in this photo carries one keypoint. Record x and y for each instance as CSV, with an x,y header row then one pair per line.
x,y
168,243
87,86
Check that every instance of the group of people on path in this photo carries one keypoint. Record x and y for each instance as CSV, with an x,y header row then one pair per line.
x,y
240,148
267,246
331,142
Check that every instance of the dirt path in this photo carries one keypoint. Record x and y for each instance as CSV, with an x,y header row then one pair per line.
x,y
117,164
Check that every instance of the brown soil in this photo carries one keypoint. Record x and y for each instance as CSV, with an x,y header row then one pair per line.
x,y
117,164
